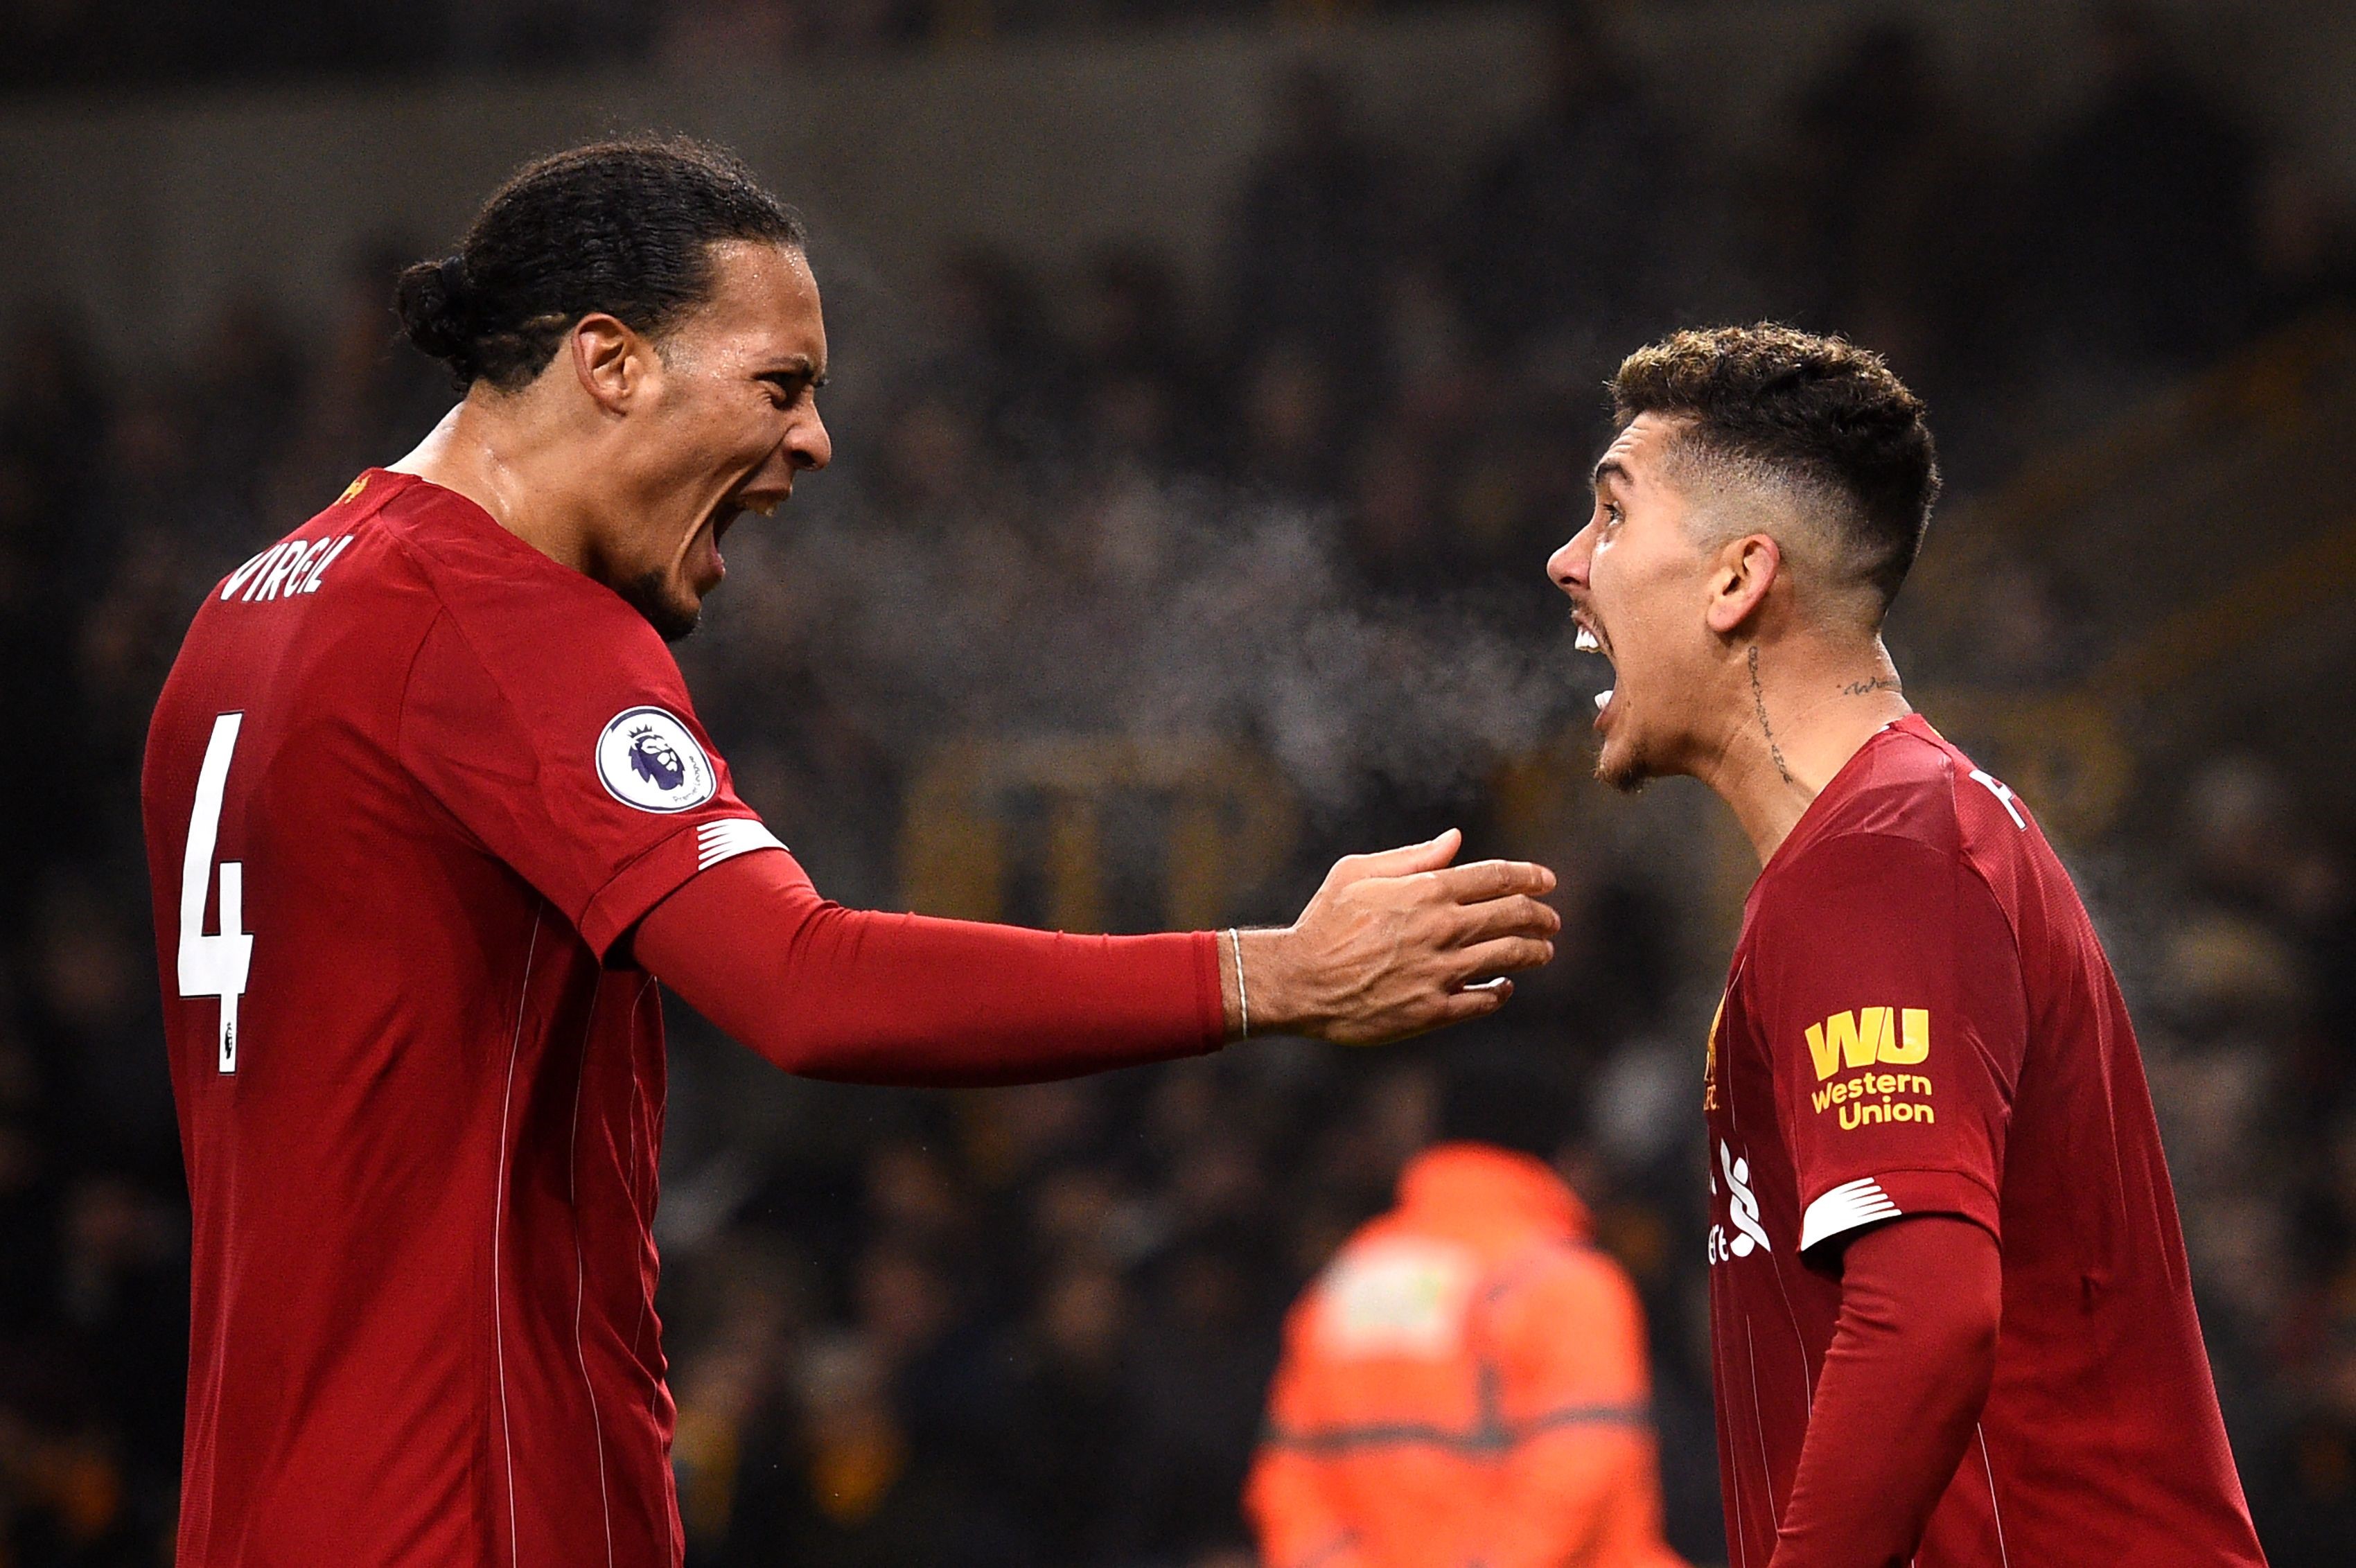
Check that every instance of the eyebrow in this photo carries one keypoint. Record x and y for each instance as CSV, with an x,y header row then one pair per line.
x,y
1612,469
799,367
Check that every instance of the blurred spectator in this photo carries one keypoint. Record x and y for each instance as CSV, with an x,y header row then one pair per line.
x,y
1398,534
250,378
733,1381
995,356
1290,416
836,1482
368,400
1314,229
1564,242
2031,629
55,413
1132,319
1883,218
1139,364
2306,245
93,1013
1204,1357
1468,1379
1073,1416
2311,1509
2136,248
124,1289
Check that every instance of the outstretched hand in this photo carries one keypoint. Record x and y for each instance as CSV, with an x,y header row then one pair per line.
x,y
1398,943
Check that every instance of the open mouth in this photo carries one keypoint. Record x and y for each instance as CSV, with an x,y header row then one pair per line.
x,y
724,517
735,506
1590,641
721,521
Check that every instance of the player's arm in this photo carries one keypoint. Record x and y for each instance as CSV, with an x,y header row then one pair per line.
x,y
1891,985
1570,1343
1912,1355
1387,948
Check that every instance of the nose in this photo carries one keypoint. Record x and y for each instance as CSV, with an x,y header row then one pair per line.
x,y
1567,568
808,445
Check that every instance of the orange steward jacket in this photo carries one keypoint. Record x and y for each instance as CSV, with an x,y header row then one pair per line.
x,y
1465,1386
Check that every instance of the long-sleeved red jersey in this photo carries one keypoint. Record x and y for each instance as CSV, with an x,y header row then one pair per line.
x,y
1920,1021
410,783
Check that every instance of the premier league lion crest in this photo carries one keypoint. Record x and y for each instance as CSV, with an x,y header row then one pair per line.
x,y
648,759
653,759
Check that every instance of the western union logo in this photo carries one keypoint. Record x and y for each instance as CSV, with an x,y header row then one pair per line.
x,y
1857,1042
1898,1037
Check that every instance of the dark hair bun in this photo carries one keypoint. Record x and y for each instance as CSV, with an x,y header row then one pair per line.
x,y
434,300
624,228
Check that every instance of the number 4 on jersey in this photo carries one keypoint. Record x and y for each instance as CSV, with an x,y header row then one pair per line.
x,y
214,965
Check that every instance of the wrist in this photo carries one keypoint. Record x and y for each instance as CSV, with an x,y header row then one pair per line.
x,y
1257,983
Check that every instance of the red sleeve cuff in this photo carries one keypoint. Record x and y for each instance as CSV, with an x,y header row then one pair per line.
x,y
1886,1195
1210,998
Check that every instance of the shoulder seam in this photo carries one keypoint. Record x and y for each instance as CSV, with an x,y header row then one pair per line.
x,y
1955,778
424,635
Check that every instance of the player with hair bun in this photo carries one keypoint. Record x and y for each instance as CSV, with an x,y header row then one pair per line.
x,y
430,821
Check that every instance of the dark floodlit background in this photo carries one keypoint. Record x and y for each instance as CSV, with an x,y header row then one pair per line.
x,y
1212,382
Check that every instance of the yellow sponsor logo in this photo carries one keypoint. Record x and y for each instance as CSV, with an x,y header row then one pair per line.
x,y
1857,1043
1856,1098
1898,1037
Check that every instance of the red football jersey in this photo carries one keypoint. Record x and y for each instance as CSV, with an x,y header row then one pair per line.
x,y
1920,1021
408,782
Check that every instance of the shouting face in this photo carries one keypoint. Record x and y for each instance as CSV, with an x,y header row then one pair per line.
x,y
724,415
1638,576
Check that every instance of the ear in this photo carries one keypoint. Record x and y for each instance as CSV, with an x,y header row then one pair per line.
x,y
611,361
1745,569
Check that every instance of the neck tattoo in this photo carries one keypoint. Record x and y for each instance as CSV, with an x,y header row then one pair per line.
x,y
1758,696
1878,683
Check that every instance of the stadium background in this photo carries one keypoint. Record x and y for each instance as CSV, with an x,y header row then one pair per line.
x,y
1211,382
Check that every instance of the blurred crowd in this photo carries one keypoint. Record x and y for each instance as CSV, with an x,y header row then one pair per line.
x,y
1303,512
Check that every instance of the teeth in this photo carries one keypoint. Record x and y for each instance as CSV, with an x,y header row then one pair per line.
x,y
1602,697
1586,642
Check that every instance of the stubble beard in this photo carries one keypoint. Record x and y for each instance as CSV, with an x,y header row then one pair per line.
x,y
1629,771
650,594
1628,775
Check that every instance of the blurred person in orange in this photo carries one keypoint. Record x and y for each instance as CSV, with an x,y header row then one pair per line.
x,y
1467,1381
